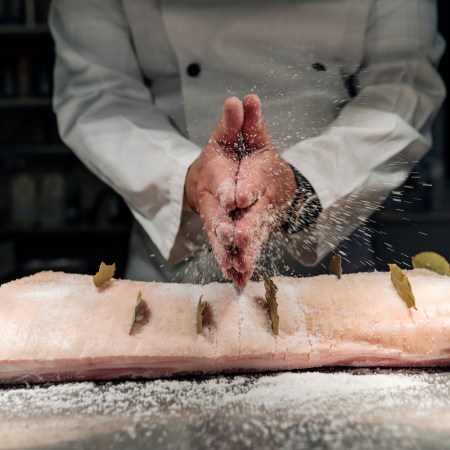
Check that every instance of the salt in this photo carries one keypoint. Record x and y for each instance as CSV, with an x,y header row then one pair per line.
x,y
346,409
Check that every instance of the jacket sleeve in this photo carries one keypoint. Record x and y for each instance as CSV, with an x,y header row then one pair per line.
x,y
107,117
371,147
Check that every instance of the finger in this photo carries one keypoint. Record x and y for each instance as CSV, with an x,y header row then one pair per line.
x,y
251,232
226,133
250,184
254,129
224,185
222,255
214,217
225,232
219,176
239,279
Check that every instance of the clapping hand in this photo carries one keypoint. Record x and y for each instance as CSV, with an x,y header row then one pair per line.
x,y
240,187
265,188
210,186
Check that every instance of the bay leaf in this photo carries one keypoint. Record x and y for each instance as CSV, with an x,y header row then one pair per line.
x,y
402,285
257,275
271,299
200,308
431,261
135,311
335,267
104,274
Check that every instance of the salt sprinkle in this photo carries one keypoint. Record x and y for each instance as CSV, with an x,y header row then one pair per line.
x,y
347,409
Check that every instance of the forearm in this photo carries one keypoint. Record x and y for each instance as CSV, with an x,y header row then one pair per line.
x,y
350,187
371,147
107,117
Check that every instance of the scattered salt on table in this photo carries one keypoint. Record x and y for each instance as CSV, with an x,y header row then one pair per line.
x,y
288,410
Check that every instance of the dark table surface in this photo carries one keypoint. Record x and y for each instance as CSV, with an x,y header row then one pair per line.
x,y
335,409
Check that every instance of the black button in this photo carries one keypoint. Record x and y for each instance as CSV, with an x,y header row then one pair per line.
x,y
193,70
319,67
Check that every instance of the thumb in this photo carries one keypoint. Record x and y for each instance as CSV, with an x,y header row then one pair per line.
x,y
227,131
254,129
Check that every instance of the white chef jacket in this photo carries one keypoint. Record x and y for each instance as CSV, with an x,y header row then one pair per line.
x,y
348,89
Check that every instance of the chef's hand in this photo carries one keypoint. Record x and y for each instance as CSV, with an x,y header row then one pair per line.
x,y
210,185
265,189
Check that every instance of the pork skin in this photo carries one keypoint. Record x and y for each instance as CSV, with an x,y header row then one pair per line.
x,y
56,326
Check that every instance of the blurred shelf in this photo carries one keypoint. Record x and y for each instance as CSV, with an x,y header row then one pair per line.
x,y
24,29
70,231
432,208
25,102
399,233
416,217
34,149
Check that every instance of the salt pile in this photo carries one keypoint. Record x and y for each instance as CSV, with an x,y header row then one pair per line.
x,y
347,409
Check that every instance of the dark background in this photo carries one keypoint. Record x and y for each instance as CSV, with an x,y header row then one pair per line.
x,y
72,221
55,215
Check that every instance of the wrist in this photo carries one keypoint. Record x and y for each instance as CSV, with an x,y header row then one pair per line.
x,y
186,205
188,194
305,206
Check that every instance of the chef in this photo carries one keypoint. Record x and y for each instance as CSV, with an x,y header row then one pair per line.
x,y
246,125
